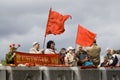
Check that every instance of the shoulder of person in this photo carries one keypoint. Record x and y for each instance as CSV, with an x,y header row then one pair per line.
x,y
99,47
32,49
88,48
78,53
47,51
116,55
68,54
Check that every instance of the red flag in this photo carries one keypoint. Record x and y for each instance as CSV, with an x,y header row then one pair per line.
x,y
55,23
84,37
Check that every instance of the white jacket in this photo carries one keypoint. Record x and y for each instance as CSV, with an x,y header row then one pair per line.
x,y
118,56
70,59
34,51
50,51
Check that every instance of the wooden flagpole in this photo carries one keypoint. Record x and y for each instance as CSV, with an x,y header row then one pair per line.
x,y
75,47
44,42
75,42
46,29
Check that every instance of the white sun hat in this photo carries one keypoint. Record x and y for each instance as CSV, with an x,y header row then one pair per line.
x,y
70,48
34,43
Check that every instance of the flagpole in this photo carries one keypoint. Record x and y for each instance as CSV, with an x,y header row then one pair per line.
x,y
75,47
45,30
75,41
44,42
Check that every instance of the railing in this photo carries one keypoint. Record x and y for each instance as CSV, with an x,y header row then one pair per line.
x,y
59,73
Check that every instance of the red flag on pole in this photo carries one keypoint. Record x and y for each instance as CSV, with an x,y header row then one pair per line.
x,y
84,37
55,24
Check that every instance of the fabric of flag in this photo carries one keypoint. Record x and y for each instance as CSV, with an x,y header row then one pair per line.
x,y
84,37
55,23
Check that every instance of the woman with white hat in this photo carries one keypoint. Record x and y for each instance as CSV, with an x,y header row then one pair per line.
x,y
70,58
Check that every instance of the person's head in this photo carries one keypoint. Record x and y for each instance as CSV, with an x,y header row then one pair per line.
x,y
51,44
36,45
12,50
113,51
70,49
63,51
108,50
80,48
94,42
118,51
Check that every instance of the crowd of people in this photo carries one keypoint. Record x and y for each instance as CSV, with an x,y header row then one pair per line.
x,y
71,56
89,56
111,58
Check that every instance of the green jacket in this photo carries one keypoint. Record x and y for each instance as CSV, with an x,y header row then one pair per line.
x,y
9,58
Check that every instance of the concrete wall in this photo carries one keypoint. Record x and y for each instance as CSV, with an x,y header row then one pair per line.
x,y
3,73
110,74
58,73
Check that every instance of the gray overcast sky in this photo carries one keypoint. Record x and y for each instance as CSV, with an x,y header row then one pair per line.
x,y
24,21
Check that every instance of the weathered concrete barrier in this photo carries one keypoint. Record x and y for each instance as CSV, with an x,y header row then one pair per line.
x,y
58,73
70,73
110,73
3,73
86,74
24,73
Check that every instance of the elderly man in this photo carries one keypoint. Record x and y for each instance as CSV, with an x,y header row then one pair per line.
x,y
108,55
84,59
35,49
70,58
94,53
115,61
81,55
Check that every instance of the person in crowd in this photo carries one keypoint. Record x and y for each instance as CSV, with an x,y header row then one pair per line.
x,y
104,63
115,61
10,55
51,48
62,55
94,53
84,59
118,51
35,48
76,59
108,55
70,58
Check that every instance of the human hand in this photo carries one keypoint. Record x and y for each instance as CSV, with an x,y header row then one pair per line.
x,y
42,51
86,59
